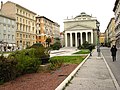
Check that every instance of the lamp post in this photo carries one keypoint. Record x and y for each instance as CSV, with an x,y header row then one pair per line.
x,y
98,41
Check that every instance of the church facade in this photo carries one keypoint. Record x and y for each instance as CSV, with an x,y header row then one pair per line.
x,y
80,29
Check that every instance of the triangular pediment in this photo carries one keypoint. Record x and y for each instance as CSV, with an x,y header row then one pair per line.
x,y
78,27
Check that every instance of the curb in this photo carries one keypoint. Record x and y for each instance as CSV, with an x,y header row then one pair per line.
x,y
112,75
63,84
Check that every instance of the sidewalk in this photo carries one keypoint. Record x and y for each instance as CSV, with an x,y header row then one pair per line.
x,y
93,75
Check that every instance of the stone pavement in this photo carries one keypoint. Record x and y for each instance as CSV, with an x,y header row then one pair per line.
x,y
65,51
94,74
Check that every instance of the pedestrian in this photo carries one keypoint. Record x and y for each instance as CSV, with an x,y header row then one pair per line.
x,y
113,52
90,49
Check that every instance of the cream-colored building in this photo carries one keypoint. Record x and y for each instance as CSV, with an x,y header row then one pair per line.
x,y
25,23
80,29
116,10
111,31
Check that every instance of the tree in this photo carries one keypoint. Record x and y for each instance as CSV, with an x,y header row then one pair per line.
x,y
48,40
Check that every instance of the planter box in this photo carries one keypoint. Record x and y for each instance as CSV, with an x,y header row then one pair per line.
x,y
45,60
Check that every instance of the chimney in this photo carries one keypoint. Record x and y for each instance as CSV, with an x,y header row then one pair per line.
x,y
1,4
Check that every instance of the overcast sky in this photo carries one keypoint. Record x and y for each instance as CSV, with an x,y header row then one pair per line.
x,y
58,10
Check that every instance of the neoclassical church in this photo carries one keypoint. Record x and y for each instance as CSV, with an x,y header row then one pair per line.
x,y
79,29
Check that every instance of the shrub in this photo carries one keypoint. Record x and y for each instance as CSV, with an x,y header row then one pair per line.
x,y
86,45
7,69
42,53
27,61
56,46
55,62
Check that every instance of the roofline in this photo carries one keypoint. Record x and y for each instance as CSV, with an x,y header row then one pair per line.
x,y
110,22
21,7
47,19
115,5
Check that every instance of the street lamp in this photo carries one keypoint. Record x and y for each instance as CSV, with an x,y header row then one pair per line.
x,y
98,41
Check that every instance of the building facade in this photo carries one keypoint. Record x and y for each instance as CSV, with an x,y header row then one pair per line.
x,y
80,29
7,32
102,39
25,23
116,10
46,28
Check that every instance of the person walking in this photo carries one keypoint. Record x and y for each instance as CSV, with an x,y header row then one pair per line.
x,y
113,52
90,49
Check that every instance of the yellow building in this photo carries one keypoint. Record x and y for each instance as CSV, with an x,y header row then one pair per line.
x,y
25,23
46,28
102,38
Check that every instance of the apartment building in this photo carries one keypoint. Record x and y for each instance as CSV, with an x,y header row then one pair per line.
x,y
7,32
110,33
46,28
116,10
25,23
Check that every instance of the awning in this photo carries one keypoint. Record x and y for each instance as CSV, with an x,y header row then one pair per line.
x,y
11,45
14,45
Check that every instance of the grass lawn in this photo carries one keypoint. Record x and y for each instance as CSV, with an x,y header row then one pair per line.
x,y
83,51
70,59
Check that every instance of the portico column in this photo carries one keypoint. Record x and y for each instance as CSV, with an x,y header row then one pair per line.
x,y
81,38
86,37
76,39
70,39
92,37
65,39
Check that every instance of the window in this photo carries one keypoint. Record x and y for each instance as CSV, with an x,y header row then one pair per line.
x,y
26,28
23,20
17,18
9,29
17,10
26,14
4,19
20,35
26,21
8,21
8,36
23,13
4,27
20,19
21,27
29,22
20,11
17,34
17,26
4,36
26,36
13,22
23,35
29,15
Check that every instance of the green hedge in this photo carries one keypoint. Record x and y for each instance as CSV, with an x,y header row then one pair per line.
x,y
18,63
8,70
56,62
27,61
